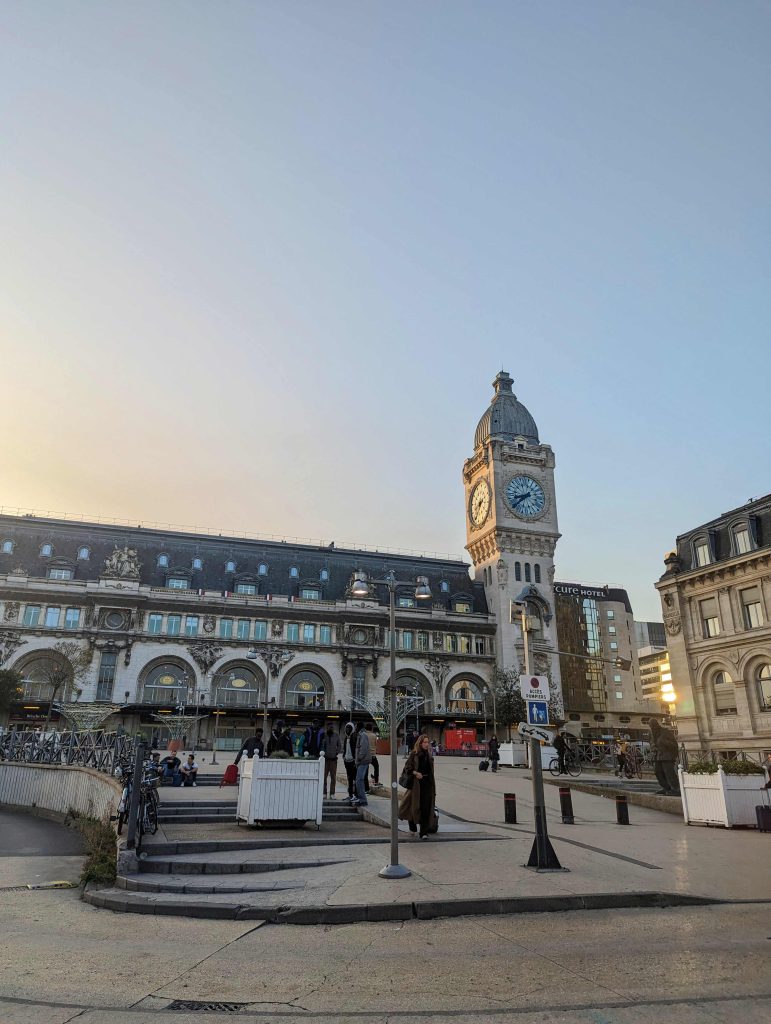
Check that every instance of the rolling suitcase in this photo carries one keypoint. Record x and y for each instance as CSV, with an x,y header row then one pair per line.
x,y
763,812
484,764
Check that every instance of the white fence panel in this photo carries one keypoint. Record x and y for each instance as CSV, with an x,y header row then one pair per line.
x,y
58,788
281,790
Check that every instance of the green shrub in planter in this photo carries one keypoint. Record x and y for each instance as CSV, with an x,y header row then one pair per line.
x,y
701,768
730,766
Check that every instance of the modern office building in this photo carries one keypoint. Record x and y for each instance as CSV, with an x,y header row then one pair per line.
x,y
650,634
601,682
716,600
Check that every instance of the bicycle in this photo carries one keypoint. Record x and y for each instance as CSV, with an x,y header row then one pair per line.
x,y
572,766
147,817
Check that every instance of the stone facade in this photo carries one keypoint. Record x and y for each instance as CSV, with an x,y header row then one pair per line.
x,y
716,601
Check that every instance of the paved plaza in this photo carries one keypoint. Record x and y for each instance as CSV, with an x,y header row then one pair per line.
x,y
65,960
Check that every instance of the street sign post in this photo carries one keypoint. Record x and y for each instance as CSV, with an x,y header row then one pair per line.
x,y
535,732
534,687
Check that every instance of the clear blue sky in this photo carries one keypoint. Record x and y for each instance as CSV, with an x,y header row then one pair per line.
x,y
261,262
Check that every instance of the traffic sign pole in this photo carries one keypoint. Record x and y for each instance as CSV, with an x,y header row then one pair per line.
x,y
542,855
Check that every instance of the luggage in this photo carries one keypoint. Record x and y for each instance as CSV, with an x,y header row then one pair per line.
x,y
230,778
763,812
484,764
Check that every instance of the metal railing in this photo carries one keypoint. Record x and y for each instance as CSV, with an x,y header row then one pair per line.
x,y
716,756
103,751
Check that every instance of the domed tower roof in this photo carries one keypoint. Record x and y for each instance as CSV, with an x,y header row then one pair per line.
x,y
506,418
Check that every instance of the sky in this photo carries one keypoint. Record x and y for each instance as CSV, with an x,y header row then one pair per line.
x,y
261,262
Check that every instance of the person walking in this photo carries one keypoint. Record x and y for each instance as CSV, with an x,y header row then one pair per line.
x,y
620,750
349,759
665,751
363,761
417,806
252,745
493,748
330,748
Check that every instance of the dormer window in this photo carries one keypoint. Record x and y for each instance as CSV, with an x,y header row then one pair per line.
x,y
701,551
163,561
46,550
294,572
83,554
230,566
177,583
742,542
324,575
262,569
444,586
197,563
7,547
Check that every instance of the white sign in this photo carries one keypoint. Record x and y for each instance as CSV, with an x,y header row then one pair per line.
x,y
535,732
534,687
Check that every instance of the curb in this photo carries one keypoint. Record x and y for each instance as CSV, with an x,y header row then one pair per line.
x,y
668,804
425,911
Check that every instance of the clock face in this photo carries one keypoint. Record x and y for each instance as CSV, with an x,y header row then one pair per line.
x,y
526,497
479,505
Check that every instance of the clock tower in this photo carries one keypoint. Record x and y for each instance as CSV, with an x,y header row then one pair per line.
x,y
511,529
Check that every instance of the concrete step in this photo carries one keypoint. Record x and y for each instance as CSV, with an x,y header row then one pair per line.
x,y
204,866
225,885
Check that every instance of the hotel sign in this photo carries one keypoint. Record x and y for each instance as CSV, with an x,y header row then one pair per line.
x,y
577,590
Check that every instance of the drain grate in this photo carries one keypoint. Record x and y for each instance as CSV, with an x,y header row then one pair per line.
x,y
196,1006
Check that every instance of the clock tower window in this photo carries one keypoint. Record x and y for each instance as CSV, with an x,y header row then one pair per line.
x,y
537,570
527,573
518,572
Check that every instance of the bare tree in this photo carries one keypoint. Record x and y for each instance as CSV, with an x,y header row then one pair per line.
x,y
510,705
10,688
63,667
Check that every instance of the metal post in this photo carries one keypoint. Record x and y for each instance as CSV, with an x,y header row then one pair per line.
x,y
394,869
510,808
216,723
136,788
622,809
265,716
542,855
566,805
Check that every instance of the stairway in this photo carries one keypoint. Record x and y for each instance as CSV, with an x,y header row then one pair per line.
x,y
178,811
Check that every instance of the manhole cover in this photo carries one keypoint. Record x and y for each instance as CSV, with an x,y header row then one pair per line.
x,y
196,1006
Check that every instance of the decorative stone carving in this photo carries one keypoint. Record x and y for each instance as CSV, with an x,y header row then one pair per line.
x,y
437,640
204,655
438,669
127,655
138,619
18,571
114,619
503,573
360,636
276,628
208,623
275,658
10,641
123,564
344,666
672,622
88,617
11,611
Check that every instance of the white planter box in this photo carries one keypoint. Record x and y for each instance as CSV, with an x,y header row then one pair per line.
x,y
548,753
513,754
720,799
280,790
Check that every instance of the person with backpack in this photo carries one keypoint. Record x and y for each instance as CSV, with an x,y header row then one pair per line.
x,y
349,758
363,761
330,748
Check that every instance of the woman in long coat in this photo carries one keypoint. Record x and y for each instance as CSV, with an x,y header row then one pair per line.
x,y
417,804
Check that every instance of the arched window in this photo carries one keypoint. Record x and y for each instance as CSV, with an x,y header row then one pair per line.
x,y
236,686
294,572
764,687
518,572
742,541
46,550
464,698
7,547
725,696
163,561
262,569
306,690
702,554
46,677
197,563
83,554
527,573
166,684
444,586
230,566
324,575
537,573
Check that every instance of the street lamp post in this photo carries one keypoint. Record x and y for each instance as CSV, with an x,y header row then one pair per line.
x,y
361,588
216,691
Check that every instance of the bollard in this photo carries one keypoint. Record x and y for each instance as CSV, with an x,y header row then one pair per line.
x,y
622,809
510,808
566,805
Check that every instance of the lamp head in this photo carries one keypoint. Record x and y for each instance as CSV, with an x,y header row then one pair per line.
x,y
360,586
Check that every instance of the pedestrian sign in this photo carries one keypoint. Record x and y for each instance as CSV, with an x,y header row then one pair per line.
x,y
537,712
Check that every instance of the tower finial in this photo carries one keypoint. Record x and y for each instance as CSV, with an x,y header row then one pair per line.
x,y
503,383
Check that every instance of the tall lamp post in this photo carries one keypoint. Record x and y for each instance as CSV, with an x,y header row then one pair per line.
x,y
361,588
488,692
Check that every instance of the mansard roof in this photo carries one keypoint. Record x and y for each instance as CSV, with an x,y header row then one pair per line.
x,y
30,533
755,515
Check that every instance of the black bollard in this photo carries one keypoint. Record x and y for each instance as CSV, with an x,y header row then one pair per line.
x,y
622,809
510,808
566,805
